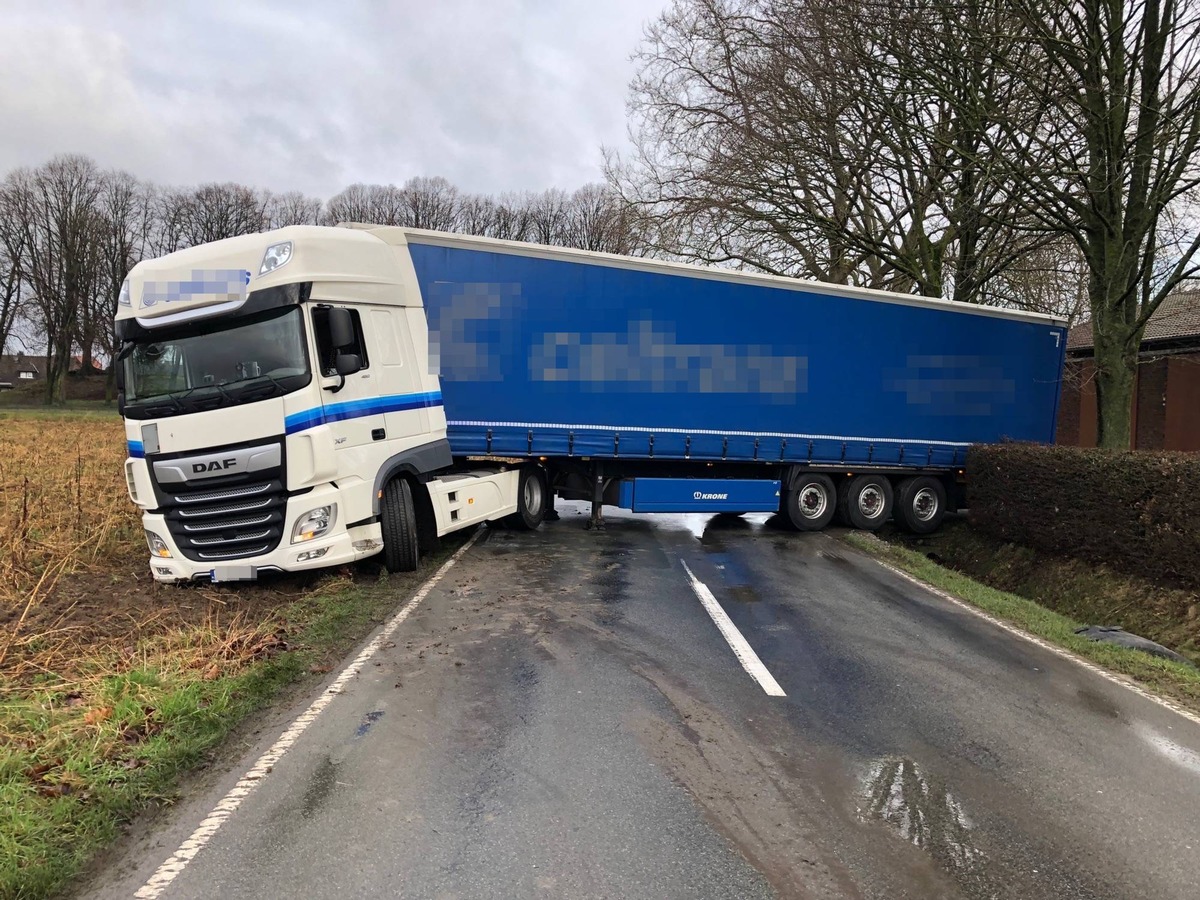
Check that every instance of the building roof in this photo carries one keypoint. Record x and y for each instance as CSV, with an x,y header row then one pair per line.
x,y
11,363
1176,319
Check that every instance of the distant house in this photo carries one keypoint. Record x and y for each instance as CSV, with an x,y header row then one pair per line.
x,y
77,365
1166,408
18,368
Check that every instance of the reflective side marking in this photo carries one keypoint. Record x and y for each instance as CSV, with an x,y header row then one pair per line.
x,y
353,409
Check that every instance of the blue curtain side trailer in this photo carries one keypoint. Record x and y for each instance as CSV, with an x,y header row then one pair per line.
x,y
667,387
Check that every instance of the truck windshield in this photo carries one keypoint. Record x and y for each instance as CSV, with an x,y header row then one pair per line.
x,y
188,370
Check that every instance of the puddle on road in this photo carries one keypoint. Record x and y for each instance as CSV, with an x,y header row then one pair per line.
x,y
368,720
921,810
1182,756
320,786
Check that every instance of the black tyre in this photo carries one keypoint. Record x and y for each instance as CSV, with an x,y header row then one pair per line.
x,y
920,504
428,542
532,494
398,517
865,501
810,503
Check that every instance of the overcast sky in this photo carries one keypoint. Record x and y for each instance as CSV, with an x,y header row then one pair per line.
x,y
495,95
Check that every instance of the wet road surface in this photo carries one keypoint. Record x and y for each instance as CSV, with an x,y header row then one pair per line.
x,y
561,717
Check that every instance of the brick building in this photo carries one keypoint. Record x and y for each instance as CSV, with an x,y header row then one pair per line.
x,y
1166,408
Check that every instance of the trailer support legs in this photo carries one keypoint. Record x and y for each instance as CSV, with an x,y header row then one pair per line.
x,y
596,522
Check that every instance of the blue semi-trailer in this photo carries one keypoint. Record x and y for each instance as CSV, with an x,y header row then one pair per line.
x,y
385,386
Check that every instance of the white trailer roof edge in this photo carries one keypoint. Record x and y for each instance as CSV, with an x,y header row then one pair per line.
x,y
543,251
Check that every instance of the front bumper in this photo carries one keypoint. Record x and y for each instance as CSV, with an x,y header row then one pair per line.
x,y
341,545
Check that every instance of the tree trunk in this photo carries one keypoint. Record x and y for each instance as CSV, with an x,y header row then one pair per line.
x,y
1116,372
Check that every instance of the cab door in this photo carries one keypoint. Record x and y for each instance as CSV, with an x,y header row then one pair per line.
x,y
399,378
352,405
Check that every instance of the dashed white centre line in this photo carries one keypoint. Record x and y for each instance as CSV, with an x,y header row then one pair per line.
x,y
741,649
170,870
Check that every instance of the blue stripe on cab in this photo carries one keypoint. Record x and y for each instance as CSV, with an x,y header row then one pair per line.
x,y
136,449
354,409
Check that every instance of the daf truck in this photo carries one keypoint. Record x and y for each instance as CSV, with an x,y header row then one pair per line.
x,y
311,396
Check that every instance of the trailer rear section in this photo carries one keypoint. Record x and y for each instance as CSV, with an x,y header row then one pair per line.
x,y
620,377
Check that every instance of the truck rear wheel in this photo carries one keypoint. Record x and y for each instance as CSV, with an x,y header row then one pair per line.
x,y
531,499
865,501
920,504
398,519
810,504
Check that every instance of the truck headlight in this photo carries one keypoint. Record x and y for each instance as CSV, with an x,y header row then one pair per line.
x,y
158,547
314,523
276,256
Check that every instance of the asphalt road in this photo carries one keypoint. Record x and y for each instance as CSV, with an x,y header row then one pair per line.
x,y
562,718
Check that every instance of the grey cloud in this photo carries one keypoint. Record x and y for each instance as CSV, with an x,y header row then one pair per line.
x,y
494,96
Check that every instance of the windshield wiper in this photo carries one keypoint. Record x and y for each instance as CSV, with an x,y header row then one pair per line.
x,y
177,397
275,381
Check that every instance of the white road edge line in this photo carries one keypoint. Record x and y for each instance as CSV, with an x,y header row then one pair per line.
x,y
1045,645
742,650
173,866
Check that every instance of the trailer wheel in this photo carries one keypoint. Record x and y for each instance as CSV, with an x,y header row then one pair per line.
x,y
810,504
531,499
865,501
398,518
920,504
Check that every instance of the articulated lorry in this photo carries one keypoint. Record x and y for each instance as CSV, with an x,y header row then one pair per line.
x,y
312,396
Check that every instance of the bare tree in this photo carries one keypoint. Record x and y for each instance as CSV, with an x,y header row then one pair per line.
x,y
431,203
512,219
167,213
212,212
351,204
801,138
12,283
54,211
597,218
127,211
1051,278
290,208
547,213
1104,150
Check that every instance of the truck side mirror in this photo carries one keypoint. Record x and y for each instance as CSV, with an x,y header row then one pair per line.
x,y
347,364
341,328
120,403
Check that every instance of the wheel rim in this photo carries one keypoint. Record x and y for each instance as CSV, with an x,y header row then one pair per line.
x,y
813,501
871,501
925,505
533,494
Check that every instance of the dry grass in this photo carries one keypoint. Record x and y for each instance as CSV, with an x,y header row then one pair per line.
x,y
111,684
63,509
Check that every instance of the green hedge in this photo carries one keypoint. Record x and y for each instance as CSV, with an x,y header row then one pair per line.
x,y
1136,512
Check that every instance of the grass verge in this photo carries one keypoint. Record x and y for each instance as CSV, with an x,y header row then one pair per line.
x,y
83,754
1176,681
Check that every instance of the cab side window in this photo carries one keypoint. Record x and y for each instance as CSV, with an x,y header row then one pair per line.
x,y
326,352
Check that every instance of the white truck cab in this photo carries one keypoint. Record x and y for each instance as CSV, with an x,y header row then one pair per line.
x,y
281,412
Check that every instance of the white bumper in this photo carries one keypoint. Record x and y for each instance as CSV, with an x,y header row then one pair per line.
x,y
339,546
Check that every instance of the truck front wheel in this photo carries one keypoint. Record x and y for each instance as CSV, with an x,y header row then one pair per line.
x,y
920,504
810,503
398,519
531,499
865,501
